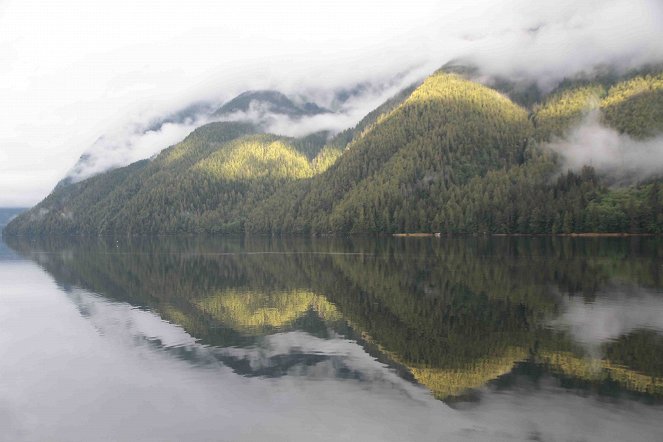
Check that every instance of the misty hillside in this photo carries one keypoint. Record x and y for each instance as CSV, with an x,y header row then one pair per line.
x,y
632,105
271,101
449,155
7,214
258,107
448,130
202,184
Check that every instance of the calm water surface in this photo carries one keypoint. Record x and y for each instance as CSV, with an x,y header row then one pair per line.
x,y
215,339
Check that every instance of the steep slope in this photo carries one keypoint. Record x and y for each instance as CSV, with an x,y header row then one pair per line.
x,y
430,186
540,197
449,155
397,172
7,214
344,138
203,183
632,104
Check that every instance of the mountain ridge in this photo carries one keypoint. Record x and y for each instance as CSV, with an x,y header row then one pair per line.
x,y
273,101
447,155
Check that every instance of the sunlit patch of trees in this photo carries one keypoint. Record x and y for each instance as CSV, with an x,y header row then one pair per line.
x,y
449,155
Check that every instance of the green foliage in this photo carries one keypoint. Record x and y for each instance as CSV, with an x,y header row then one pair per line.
x,y
635,106
205,183
564,109
449,155
396,173
344,138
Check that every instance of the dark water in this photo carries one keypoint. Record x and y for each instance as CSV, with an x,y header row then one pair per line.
x,y
419,339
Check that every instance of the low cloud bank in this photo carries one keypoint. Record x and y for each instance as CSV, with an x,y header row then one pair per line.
x,y
138,141
621,157
133,143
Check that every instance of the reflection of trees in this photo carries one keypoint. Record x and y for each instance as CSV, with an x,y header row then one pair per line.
x,y
456,312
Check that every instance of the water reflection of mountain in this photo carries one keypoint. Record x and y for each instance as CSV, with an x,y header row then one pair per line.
x,y
454,314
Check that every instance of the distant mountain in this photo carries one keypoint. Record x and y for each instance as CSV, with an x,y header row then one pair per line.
x,y
6,215
268,101
449,155
9,213
203,184
631,103
446,131
187,114
259,107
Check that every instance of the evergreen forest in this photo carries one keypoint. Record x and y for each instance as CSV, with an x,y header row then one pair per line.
x,y
451,155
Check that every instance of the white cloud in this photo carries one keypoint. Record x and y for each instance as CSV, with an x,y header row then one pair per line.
x,y
609,152
136,140
72,69
132,143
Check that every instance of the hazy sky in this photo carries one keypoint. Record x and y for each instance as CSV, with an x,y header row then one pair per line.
x,y
72,71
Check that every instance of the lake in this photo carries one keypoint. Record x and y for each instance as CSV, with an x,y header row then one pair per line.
x,y
421,339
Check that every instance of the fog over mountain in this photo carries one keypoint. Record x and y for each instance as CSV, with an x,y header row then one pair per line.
x,y
78,75
624,159
136,140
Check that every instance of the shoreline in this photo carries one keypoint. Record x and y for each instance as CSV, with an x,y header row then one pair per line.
x,y
573,235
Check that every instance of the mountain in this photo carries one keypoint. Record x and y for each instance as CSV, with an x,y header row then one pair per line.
x,y
7,214
86,165
394,175
632,103
202,184
448,155
268,101
259,107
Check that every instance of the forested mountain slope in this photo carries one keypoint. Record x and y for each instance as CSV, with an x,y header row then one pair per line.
x,y
633,105
449,155
204,183
393,176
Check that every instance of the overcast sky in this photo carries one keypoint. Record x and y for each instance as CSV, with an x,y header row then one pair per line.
x,y
72,71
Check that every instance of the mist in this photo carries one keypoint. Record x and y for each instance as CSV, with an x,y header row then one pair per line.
x,y
620,157
140,140
132,143
64,94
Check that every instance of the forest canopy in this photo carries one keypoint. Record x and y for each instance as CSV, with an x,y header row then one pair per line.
x,y
449,155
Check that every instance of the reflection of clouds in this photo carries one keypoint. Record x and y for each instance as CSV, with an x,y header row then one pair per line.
x,y
553,414
614,313
93,376
341,358
122,321
338,357
93,373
